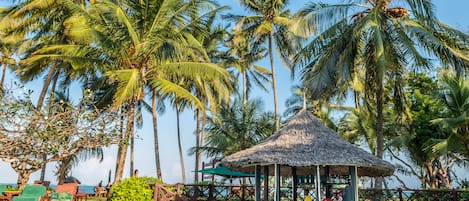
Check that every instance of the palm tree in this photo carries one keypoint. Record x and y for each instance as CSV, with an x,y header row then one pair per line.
x,y
269,24
7,44
301,99
382,41
244,53
43,22
137,45
455,97
237,126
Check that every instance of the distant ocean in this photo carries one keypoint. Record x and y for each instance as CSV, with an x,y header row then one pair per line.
x,y
87,189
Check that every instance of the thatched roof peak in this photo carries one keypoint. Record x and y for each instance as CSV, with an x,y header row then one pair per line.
x,y
305,142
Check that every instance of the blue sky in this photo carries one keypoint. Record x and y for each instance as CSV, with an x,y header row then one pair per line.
x,y
91,172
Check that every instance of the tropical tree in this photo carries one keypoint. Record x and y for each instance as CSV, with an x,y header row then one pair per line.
x,y
7,44
418,132
269,24
455,97
384,41
41,23
243,54
236,127
137,45
211,36
302,100
57,135
66,164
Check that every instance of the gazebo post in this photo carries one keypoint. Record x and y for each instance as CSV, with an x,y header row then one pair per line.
x,y
277,182
318,183
258,183
294,183
327,185
353,182
266,183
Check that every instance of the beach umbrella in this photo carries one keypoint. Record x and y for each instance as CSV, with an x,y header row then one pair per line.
x,y
225,172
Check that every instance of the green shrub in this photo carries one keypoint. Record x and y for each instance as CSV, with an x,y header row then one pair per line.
x,y
134,188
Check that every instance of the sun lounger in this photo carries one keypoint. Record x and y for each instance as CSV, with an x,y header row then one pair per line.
x,y
31,193
2,188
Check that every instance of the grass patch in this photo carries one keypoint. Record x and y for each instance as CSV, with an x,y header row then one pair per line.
x,y
93,198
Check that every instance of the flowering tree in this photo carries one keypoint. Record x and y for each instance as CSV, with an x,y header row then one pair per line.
x,y
58,131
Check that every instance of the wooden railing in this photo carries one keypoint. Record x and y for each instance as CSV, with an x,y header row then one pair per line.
x,y
210,192
414,195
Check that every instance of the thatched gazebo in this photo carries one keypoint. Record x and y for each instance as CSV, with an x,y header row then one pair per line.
x,y
305,146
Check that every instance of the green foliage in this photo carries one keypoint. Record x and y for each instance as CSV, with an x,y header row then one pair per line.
x,y
11,188
237,126
425,107
134,188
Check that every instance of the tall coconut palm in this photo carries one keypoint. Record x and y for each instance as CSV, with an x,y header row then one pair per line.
x,y
211,37
382,40
137,45
244,53
269,24
43,22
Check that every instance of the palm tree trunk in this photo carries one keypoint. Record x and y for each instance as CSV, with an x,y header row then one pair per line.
x,y
245,90
202,137
357,100
122,152
45,87
379,123
132,153
197,145
155,135
40,102
274,83
181,158
63,169
119,149
2,80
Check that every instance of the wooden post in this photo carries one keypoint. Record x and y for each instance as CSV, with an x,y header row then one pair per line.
x,y
243,195
203,167
258,183
156,194
266,183
210,193
277,182
318,183
294,183
399,190
327,185
353,182
455,195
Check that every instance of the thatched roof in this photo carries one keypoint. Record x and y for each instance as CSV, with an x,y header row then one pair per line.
x,y
305,142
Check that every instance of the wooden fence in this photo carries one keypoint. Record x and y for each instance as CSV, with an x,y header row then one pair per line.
x,y
210,192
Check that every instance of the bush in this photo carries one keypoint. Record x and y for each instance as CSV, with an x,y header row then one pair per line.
x,y
134,188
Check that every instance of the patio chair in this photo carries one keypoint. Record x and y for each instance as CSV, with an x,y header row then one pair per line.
x,y
100,191
65,192
31,193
